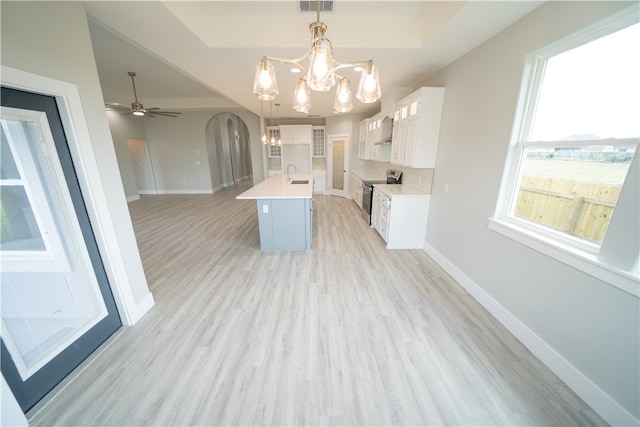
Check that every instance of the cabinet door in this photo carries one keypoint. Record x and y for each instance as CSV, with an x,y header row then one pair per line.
x,y
296,134
318,142
375,210
411,141
319,181
362,139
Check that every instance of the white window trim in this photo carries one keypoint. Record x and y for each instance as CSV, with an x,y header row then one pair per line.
x,y
571,251
567,254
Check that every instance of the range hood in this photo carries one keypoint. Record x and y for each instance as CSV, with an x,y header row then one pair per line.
x,y
386,129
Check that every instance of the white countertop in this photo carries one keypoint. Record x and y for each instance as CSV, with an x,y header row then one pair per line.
x,y
278,187
393,190
369,176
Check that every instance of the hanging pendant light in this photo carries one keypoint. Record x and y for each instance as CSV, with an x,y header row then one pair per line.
x,y
279,141
302,96
272,138
265,84
263,138
369,87
343,102
320,75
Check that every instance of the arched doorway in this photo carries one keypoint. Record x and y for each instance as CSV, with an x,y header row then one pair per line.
x,y
228,150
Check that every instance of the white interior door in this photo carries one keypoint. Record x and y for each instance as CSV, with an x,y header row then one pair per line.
x,y
338,165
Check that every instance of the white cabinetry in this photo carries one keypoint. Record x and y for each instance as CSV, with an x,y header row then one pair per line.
x,y
401,220
376,151
362,140
356,190
319,180
318,148
296,134
416,128
380,213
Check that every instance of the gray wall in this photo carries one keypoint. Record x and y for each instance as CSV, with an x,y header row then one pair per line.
x,y
122,128
173,143
591,324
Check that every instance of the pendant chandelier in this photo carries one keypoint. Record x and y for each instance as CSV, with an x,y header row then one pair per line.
x,y
320,75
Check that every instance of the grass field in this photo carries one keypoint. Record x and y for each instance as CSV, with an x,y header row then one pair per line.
x,y
593,172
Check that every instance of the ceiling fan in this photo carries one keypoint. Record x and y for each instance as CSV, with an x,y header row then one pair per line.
x,y
137,109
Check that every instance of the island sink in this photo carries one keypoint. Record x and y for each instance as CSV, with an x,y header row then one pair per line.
x,y
299,181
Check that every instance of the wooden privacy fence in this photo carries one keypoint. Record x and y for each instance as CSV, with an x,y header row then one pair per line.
x,y
578,208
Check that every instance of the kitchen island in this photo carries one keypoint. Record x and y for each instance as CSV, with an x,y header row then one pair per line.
x,y
285,211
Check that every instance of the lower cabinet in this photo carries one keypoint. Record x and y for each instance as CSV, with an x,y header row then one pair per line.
x,y
285,224
401,220
319,180
356,190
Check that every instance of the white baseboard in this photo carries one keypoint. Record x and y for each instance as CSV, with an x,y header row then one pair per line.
x,y
594,396
133,198
140,309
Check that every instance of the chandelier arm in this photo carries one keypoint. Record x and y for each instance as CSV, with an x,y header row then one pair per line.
x,y
350,64
295,61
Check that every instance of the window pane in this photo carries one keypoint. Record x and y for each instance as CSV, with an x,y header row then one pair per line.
x,y
19,230
591,92
8,168
572,189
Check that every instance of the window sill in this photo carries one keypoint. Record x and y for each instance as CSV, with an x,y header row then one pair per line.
x,y
580,260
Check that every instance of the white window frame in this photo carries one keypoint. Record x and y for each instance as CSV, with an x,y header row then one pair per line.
x,y
53,257
570,250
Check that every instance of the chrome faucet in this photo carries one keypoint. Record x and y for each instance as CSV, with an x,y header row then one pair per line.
x,y
295,169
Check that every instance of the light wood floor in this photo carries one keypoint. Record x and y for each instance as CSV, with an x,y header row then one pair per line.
x,y
347,333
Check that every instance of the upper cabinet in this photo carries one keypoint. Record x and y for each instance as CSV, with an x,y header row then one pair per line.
x,y
416,128
296,134
362,140
318,142
374,138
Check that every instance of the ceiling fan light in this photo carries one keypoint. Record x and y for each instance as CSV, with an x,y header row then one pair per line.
x,y
265,84
321,75
369,87
343,102
302,96
138,113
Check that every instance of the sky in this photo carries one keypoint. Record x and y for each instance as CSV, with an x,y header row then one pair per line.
x,y
592,90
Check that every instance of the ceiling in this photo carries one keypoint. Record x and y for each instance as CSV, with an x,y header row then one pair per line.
x,y
203,54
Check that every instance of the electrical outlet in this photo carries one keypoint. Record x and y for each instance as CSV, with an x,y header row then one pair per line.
x,y
265,208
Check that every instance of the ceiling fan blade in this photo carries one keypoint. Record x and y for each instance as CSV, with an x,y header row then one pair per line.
x,y
163,113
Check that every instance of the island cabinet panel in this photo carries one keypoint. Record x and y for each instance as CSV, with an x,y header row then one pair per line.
x,y
285,224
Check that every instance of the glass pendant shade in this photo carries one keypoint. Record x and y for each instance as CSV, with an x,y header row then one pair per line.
x,y
343,102
321,76
265,84
369,87
302,96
